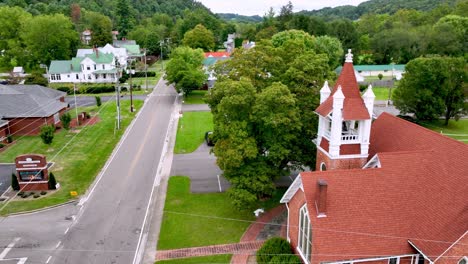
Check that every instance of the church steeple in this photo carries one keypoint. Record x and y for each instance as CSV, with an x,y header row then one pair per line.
x,y
344,122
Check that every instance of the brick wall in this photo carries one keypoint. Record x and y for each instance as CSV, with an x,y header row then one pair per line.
x,y
3,133
338,163
294,206
30,125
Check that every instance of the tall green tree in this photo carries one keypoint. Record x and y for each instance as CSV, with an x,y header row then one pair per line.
x,y
262,107
100,26
184,69
432,88
49,37
11,46
199,37
125,17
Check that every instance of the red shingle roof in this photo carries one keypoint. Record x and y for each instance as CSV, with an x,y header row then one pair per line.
x,y
219,54
353,107
420,194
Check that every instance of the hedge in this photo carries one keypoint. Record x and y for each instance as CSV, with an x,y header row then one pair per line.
x,y
273,247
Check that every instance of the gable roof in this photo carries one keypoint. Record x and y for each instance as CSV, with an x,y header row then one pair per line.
x,y
419,194
218,54
60,66
100,57
353,107
29,101
133,50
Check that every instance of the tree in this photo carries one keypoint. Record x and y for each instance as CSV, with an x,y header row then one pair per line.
x,y
332,47
52,183
100,26
47,134
36,78
199,37
49,37
66,119
263,111
125,17
11,46
14,182
433,87
98,100
184,69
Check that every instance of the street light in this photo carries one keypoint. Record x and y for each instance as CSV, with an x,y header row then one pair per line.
x,y
131,84
117,92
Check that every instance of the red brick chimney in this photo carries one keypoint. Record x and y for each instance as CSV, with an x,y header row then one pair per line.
x,y
96,51
321,198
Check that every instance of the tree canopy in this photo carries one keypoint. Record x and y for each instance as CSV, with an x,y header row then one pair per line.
x,y
199,37
433,87
184,69
262,107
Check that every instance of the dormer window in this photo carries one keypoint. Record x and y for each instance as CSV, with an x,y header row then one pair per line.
x,y
94,66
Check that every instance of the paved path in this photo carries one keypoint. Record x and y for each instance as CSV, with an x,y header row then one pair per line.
x,y
201,167
195,108
238,248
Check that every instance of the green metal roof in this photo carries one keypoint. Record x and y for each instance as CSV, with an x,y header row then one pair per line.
x,y
106,71
60,66
101,58
133,50
76,62
212,60
389,67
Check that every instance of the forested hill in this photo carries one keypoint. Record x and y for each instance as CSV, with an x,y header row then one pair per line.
x,y
141,8
229,17
377,7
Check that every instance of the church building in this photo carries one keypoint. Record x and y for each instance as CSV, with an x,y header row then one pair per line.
x,y
384,190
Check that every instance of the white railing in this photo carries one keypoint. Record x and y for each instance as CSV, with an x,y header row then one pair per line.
x,y
349,138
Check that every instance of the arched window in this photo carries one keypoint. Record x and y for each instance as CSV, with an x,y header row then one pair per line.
x,y
323,167
304,244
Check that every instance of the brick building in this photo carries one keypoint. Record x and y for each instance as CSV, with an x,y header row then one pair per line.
x,y
25,108
384,191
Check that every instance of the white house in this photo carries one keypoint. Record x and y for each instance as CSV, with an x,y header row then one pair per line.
x,y
121,54
97,67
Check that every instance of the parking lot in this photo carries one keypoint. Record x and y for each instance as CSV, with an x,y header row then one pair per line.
x,y
5,176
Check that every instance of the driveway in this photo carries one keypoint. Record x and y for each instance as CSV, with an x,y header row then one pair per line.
x,y
201,167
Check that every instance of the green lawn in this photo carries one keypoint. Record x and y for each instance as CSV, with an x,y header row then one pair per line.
x,y
191,131
381,93
77,164
124,92
195,97
455,129
152,81
218,259
181,231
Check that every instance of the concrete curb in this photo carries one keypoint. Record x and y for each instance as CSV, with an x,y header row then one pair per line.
x,y
42,209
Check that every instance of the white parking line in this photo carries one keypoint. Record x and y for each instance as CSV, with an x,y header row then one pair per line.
x,y
58,244
50,257
66,231
219,184
8,248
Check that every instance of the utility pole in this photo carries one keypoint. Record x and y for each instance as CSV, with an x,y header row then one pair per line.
x,y
76,106
161,43
146,71
131,86
117,93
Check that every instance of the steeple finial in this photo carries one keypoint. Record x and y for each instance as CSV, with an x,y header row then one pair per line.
x,y
349,56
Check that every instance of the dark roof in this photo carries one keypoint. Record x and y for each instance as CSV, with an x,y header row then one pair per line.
x,y
29,101
353,107
419,194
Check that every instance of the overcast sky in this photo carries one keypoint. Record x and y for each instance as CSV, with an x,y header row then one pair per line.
x,y
260,7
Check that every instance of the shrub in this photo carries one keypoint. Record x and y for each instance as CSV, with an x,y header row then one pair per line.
x,y
47,134
98,101
65,89
31,193
380,76
9,139
43,193
36,195
24,196
52,182
14,183
142,74
272,247
66,119
20,193
88,116
2,145
285,259
36,78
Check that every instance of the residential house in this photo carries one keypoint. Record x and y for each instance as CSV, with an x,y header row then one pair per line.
x,y
97,67
120,54
391,70
210,60
384,191
230,44
25,108
86,37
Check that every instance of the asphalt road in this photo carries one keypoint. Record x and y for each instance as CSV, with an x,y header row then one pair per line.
x,y
5,176
201,167
90,100
110,223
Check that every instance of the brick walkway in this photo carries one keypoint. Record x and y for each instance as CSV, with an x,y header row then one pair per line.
x,y
240,251
239,248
